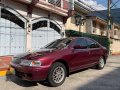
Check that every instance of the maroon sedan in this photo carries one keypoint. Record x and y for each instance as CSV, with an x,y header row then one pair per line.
x,y
58,59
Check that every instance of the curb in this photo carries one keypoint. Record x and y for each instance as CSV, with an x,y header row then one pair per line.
x,y
5,69
6,72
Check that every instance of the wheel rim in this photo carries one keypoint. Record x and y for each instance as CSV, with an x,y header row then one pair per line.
x,y
58,74
101,62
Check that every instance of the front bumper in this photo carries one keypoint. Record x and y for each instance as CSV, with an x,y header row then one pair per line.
x,y
30,73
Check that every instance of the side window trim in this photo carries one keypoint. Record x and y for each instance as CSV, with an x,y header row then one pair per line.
x,y
94,43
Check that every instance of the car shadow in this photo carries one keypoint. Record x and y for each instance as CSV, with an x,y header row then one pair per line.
x,y
14,79
24,83
109,81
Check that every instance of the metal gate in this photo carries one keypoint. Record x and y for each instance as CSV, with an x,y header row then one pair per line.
x,y
44,31
12,33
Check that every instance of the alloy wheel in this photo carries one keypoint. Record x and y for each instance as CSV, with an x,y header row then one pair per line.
x,y
58,74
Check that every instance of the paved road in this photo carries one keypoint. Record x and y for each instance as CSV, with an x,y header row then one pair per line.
x,y
90,79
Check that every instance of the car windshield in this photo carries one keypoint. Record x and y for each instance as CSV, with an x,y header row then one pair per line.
x,y
58,44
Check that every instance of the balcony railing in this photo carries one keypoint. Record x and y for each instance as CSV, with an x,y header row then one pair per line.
x,y
55,2
64,4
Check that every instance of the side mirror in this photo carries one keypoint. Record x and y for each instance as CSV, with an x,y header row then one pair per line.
x,y
79,47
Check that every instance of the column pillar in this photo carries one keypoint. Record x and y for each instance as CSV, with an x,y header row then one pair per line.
x,y
29,25
62,3
29,34
63,35
89,26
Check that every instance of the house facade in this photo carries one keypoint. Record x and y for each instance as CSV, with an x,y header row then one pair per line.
x,y
27,25
80,11
95,23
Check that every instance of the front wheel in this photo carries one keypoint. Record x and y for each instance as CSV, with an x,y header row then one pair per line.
x,y
101,63
57,74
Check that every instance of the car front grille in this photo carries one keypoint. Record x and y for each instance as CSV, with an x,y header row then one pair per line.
x,y
19,74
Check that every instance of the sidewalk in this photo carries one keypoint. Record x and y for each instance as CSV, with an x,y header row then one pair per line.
x,y
4,64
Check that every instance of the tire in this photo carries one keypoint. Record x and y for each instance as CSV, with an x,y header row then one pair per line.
x,y
101,63
57,74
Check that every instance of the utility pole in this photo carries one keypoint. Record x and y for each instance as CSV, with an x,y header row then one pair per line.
x,y
109,21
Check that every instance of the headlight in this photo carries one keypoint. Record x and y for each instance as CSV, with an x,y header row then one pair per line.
x,y
30,63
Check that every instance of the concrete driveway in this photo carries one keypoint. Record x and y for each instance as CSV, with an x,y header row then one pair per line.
x,y
90,79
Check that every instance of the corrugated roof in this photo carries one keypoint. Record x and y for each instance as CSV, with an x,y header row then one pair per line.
x,y
82,7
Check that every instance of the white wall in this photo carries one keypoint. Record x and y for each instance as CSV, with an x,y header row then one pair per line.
x,y
21,8
115,47
37,13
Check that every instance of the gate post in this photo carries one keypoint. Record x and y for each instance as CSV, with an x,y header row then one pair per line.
x,y
28,34
64,25
63,34
29,25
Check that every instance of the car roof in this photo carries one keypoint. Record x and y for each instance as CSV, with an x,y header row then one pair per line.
x,y
73,38
78,37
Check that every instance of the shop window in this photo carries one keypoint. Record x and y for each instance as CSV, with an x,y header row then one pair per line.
x,y
11,17
39,24
52,25
115,32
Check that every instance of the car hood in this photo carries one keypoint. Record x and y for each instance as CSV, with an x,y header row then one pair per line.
x,y
34,55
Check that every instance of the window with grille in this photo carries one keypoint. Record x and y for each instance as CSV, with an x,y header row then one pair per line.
x,y
55,2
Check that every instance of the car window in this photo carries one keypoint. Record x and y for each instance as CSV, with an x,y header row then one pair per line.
x,y
59,43
82,43
92,44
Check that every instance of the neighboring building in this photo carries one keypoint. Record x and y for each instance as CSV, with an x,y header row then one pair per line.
x,y
80,11
97,24
27,25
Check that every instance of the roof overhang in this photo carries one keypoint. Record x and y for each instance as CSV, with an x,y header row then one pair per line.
x,y
80,7
100,20
47,6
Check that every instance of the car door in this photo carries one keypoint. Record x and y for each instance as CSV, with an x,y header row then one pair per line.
x,y
81,55
94,50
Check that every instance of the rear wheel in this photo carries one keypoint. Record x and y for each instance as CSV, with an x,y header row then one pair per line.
x,y
57,74
101,63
